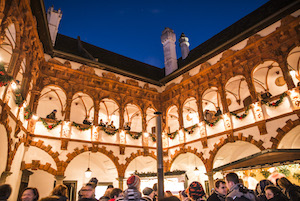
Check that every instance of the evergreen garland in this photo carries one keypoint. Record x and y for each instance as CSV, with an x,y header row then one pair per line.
x,y
134,135
19,98
244,115
50,127
4,78
276,103
284,170
211,124
296,176
172,135
27,113
109,131
80,127
154,174
191,131
265,173
153,137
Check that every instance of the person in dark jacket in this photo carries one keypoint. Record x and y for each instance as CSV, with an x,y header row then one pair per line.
x,y
237,191
196,192
220,191
261,194
290,190
5,191
132,193
273,193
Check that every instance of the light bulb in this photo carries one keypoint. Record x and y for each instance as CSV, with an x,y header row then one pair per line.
x,y
88,173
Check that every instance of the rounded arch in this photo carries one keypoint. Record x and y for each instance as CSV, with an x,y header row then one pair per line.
x,y
109,111
288,130
36,165
102,167
293,62
231,139
237,91
172,119
133,117
92,149
188,162
52,97
190,112
268,76
129,160
82,107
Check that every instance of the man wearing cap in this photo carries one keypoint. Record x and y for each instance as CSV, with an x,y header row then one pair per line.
x,y
132,193
148,193
52,115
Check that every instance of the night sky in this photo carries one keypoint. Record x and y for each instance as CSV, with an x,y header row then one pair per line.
x,y
133,28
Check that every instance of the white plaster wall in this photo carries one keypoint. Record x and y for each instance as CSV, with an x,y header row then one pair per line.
x,y
269,29
291,140
141,164
35,153
15,178
43,181
188,162
240,45
249,119
40,129
101,166
3,148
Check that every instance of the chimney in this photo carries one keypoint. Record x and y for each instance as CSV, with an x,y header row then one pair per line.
x,y
168,39
53,18
184,46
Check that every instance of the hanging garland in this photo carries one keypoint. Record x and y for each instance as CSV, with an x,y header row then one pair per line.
x,y
50,127
191,130
211,124
19,98
265,173
134,135
4,78
276,103
154,174
172,135
153,137
80,127
244,115
109,131
27,113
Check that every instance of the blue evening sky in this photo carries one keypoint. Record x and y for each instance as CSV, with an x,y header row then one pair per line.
x,y
133,28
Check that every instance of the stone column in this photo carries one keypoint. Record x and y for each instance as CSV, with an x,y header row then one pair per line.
x,y
59,179
96,112
68,109
121,183
180,116
121,119
221,90
251,87
4,175
13,62
34,99
210,176
200,109
286,74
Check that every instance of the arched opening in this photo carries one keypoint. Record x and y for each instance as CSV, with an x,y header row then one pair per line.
x,y
133,118
82,108
190,112
52,98
237,93
44,185
34,153
142,164
172,119
101,166
109,112
150,120
268,77
291,140
189,162
293,61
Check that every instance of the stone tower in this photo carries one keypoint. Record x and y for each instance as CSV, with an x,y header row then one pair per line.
x,y
184,46
53,18
168,39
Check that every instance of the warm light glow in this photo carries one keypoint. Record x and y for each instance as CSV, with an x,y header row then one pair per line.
x,y
13,85
293,93
35,117
292,73
146,134
0,59
67,123
122,137
88,173
196,171
24,104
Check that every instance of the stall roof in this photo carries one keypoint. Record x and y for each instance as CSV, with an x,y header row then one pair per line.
x,y
262,159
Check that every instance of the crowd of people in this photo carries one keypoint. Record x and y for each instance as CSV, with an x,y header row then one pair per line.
x,y
230,189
